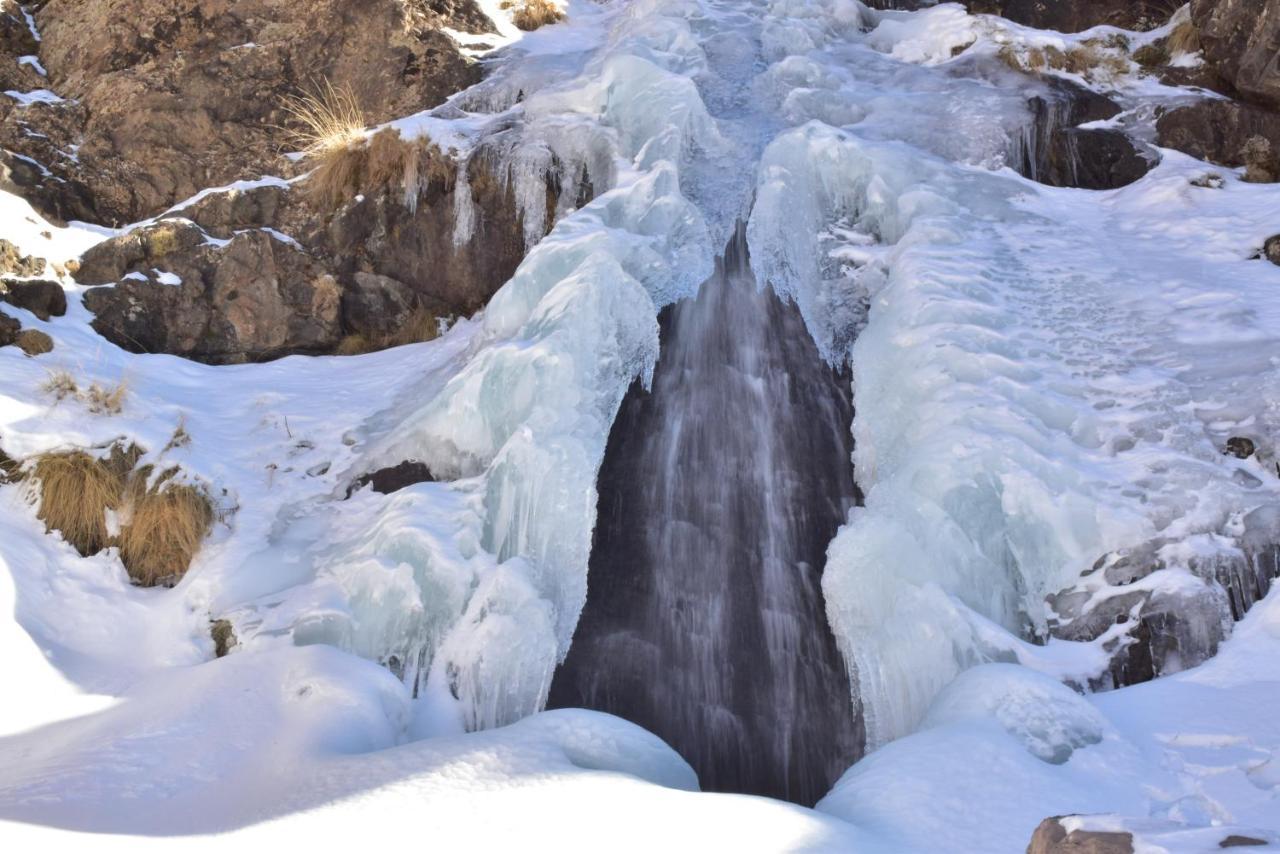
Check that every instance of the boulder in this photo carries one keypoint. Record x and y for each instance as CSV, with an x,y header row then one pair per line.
x,y
42,298
1261,161
9,329
14,263
1216,129
1064,155
1072,16
257,297
393,478
1240,39
166,97
33,342
1271,249
1051,837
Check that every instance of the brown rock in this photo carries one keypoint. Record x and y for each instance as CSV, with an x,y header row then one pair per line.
x,y
42,298
1052,838
1235,840
253,299
14,263
1240,39
1239,447
172,96
393,478
33,342
224,637
1261,161
9,329
1271,249
1216,129
1072,16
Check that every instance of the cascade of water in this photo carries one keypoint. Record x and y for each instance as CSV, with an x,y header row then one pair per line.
x,y
719,493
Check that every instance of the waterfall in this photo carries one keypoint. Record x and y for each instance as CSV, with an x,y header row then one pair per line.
x,y
719,493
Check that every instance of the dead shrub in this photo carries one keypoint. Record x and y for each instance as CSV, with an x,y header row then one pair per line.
x,y
330,135
60,385
76,491
1184,39
532,14
1095,61
163,525
105,399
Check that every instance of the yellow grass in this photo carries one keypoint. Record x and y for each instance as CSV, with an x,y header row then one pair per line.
x,y
163,527
76,491
532,14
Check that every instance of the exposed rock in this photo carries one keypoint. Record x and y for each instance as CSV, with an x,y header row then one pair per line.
x,y
42,298
14,263
1173,626
1052,838
224,637
1060,154
255,298
377,306
1271,249
1240,447
393,478
1216,129
1235,840
33,342
1072,16
1261,161
1240,39
9,329
166,97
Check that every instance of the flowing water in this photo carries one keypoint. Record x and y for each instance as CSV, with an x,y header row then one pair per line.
x,y
719,493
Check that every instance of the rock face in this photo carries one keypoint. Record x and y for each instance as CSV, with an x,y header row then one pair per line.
x,y
1058,153
9,329
256,297
166,97
1184,607
1072,16
1271,249
1216,130
42,298
1051,837
1241,40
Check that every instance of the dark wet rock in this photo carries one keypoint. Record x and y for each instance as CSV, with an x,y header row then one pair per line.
x,y
377,306
393,478
1216,129
222,214
33,342
166,97
1271,249
1240,39
224,637
1169,628
1235,840
9,329
1072,16
1051,837
42,298
14,263
1057,152
1240,447
256,297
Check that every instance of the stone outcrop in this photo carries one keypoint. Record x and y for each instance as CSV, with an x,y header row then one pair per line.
x,y
1240,39
1152,629
1051,837
1061,154
255,297
1216,129
167,97
1072,16
42,298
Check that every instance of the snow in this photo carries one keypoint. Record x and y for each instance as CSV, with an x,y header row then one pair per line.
x,y
35,96
34,62
1042,376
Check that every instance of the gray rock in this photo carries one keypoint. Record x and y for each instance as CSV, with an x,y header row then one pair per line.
x,y
1240,39
1052,838
1216,129
9,329
42,298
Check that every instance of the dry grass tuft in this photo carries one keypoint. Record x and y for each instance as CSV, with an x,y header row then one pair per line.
x,y
60,385
1095,61
164,524
106,399
76,491
1184,39
532,14
330,136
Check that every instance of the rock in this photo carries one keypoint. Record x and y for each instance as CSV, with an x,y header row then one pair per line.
x,y
33,342
224,637
1215,129
1173,627
1052,838
14,263
1240,39
1261,161
1239,447
1271,249
9,329
392,478
1065,155
42,298
1072,16
255,298
167,97
1235,840
377,306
